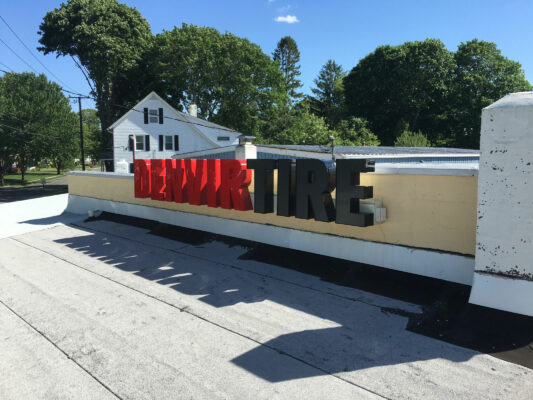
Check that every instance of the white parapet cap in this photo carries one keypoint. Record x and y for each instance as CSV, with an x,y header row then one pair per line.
x,y
518,99
444,169
100,174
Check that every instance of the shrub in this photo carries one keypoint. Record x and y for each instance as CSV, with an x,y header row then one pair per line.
x,y
355,132
412,139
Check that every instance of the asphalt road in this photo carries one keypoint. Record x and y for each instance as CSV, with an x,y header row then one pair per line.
x,y
104,310
8,194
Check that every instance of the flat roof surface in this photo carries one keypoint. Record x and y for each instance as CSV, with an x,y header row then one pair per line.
x,y
99,309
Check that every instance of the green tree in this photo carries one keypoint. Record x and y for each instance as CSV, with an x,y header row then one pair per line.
x,y
108,41
328,100
295,125
37,122
482,76
92,136
230,79
287,56
64,145
412,139
407,83
354,132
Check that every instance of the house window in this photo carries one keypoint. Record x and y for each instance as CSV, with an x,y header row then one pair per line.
x,y
139,143
223,138
154,118
168,143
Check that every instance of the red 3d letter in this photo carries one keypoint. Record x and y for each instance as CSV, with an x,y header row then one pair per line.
x,y
213,182
196,181
235,179
175,181
142,178
158,180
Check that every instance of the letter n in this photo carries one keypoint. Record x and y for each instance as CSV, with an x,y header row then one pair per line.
x,y
176,181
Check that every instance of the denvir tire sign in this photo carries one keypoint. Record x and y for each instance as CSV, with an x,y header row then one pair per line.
x,y
304,186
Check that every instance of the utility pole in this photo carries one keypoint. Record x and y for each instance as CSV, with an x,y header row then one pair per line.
x,y
81,129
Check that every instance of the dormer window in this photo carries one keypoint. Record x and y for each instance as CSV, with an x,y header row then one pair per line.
x,y
153,116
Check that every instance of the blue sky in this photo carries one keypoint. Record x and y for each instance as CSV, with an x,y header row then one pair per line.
x,y
342,30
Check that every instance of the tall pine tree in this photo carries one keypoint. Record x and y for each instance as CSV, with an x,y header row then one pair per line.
x,y
328,99
288,56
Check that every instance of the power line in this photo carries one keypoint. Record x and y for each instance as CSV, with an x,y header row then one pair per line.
x,y
114,105
18,119
83,96
45,133
20,58
63,89
12,116
221,128
33,55
5,65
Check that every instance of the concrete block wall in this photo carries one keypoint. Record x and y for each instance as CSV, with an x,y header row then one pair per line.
x,y
503,275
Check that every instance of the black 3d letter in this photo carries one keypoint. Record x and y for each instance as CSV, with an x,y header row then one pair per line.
x,y
263,184
349,192
285,188
313,191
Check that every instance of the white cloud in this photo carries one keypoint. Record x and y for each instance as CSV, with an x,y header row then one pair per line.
x,y
290,19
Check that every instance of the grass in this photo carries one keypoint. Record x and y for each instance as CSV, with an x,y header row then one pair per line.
x,y
31,177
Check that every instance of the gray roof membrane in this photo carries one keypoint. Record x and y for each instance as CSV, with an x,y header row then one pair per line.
x,y
379,150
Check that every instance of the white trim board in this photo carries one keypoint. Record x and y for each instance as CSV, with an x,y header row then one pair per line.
x,y
431,263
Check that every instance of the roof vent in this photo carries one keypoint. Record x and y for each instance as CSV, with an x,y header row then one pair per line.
x,y
193,110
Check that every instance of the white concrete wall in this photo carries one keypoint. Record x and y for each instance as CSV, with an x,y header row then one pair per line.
x,y
191,137
503,276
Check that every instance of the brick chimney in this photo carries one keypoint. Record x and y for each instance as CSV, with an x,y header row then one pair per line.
x,y
193,110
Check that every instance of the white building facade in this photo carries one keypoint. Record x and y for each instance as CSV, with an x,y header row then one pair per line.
x,y
160,131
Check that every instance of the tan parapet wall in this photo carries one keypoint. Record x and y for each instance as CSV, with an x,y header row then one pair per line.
x,y
424,211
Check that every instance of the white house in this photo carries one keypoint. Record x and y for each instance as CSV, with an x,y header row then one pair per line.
x,y
160,131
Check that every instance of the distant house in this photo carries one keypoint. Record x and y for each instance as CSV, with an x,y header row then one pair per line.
x,y
161,131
